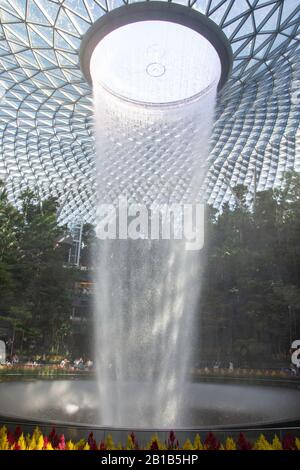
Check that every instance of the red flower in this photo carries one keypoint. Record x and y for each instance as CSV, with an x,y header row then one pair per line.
x,y
172,441
91,442
54,438
62,443
211,442
134,441
46,441
154,445
18,432
10,438
288,442
242,443
102,445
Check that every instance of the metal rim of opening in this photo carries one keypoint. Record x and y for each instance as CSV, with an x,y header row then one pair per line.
x,y
156,10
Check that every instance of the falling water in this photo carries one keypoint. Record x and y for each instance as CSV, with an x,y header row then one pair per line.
x,y
147,291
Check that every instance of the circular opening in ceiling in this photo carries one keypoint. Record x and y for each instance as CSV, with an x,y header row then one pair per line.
x,y
155,62
155,53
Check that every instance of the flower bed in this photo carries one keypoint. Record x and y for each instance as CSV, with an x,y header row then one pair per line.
x,y
37,441
206,372
244,373
42,370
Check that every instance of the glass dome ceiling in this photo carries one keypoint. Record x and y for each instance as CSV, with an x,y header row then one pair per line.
x,y
46,107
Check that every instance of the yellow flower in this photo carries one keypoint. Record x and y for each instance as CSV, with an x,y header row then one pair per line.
x,y
22,442
35,441
197,443
40,443
230,444
188,445
36,434
3,432
86,447
31,443
80,444
130,444
109,443
262,444
69,445
29,440
4,445
298,443
49,446
276,444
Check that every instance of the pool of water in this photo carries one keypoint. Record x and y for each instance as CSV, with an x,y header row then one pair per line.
x,y
206,405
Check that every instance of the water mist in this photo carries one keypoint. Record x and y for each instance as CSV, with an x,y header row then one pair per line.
x,y
154,86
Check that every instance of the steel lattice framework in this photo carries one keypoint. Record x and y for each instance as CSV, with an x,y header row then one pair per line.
x,y
46,124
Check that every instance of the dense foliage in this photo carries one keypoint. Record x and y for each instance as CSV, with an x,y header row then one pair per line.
x,y
35,284
250,307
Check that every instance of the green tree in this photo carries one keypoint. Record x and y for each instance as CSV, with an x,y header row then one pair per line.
x,y
37,283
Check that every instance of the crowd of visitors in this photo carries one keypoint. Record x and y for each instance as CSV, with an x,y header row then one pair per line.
x,y
65,363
